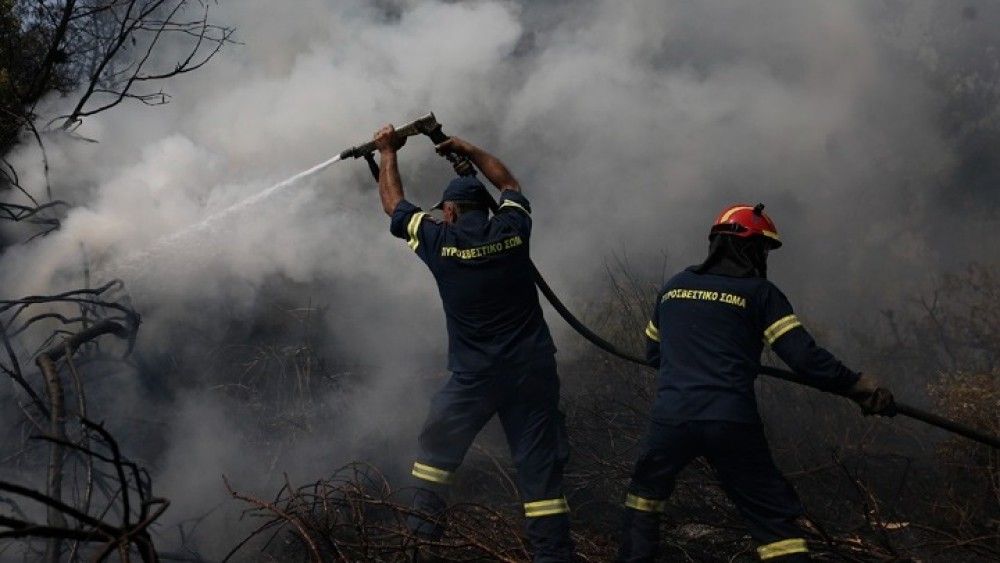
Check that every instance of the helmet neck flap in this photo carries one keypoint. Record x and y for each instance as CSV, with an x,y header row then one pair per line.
x,y
736,257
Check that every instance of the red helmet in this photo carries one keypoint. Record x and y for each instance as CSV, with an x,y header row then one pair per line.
x,y
745,221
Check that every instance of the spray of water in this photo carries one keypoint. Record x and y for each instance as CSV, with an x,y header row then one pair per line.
x,y
133,261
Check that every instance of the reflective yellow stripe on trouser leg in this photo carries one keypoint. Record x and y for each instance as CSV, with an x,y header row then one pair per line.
x,y
782,548
432,474
546,507
644,504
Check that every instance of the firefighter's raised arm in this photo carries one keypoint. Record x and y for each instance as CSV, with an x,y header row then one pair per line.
x,y
492,167
390,186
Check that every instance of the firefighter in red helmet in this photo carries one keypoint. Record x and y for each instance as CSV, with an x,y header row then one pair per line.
x,y
708,328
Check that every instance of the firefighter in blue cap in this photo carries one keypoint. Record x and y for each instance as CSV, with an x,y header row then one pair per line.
x,y
708,328
500,352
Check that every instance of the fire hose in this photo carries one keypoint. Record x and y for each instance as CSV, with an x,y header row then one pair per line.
x,y
429,126
901,408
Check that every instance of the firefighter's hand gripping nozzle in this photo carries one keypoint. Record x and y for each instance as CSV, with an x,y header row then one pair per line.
x,y
426,125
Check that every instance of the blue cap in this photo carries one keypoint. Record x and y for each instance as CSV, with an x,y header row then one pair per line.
x,y
467,189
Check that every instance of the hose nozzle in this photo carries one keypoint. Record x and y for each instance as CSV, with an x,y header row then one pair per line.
x,y
419,126
426,125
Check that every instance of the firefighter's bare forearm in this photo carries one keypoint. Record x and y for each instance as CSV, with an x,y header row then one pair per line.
x,y
390,186
494,170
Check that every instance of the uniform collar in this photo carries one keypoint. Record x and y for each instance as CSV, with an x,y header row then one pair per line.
x,y
473,218
728,257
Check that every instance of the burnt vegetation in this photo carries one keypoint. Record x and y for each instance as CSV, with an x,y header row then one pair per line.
x,y
68,490
100,53
877,490
95,501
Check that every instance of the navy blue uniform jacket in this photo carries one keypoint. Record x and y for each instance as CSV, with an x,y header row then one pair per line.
x,y
706,335
484,275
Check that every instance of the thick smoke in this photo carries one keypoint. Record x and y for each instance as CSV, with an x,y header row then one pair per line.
x,y
630,124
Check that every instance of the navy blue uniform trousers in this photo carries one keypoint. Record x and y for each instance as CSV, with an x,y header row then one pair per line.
x,y
739,454
526,398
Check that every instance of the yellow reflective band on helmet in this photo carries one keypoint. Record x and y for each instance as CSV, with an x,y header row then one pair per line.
x,y
652,332
509,203
725,217
771,234
432,474
780,327
546,507
645,504
413,228
782,548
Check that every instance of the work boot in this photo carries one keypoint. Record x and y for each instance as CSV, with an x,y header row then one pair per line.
x,y
424,554
427,522
640,539
549,539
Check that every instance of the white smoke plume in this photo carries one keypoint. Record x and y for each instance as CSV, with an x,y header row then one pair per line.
x,y
629,124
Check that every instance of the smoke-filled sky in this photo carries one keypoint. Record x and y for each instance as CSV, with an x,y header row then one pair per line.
x,y
629,124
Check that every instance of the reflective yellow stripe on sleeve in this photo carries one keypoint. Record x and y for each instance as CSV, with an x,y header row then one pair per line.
x,y
546,507
652,332
645,504
432,474
782,548
780,327
413,228
509,203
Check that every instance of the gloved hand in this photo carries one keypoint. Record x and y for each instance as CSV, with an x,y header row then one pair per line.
x,y
872,397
